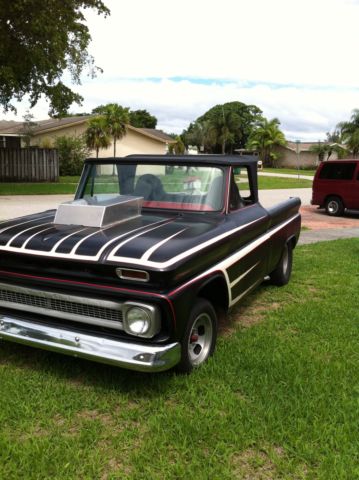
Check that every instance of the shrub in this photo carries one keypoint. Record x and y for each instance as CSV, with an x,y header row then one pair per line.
x,y
72,153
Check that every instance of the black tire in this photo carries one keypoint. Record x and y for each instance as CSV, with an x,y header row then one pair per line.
x,y
281,275
199,339
334,206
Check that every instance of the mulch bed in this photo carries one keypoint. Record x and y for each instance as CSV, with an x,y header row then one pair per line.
x,y
317,219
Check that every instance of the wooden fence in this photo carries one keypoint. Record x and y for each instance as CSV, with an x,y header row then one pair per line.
x,y
29,165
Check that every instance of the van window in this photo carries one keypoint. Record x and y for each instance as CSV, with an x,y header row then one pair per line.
x,y
337,171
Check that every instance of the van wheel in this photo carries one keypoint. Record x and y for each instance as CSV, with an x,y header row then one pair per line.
x,y
199,339
334,206
281,275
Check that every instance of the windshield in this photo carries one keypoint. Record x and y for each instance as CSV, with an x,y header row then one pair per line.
x,y
195,188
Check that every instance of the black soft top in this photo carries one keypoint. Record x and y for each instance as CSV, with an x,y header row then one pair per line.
x,y
223,160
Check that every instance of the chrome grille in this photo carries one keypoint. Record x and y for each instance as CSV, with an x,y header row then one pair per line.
x,y
97,312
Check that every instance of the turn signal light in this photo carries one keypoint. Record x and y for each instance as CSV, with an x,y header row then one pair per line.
x,y
130,274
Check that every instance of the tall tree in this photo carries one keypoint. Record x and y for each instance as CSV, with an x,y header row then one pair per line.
x,y
350,132
229,125
142,119
96,134
116,119
334,136
223,128
136,118
200,135
38,42
264,138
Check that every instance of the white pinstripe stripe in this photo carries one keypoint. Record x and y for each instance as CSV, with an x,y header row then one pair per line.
x,y
112,256
149,252
65,238
26,230
135,236
229,261
72,253
34,235
23,223
243,275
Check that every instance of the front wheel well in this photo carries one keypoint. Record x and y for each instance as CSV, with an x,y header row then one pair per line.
x,y
332,195
216,292
292,241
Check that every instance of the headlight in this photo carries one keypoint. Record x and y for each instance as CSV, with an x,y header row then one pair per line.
x,y
138,321
141,320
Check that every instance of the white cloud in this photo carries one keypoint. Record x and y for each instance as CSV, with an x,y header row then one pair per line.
x,y
294,59
305,113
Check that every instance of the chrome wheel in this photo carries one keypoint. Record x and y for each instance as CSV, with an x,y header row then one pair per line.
x,y
200,339
333,207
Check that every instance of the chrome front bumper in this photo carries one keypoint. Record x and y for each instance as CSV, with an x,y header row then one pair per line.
x,y
143,358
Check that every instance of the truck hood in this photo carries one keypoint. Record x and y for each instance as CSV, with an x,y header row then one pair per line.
x,y
149,240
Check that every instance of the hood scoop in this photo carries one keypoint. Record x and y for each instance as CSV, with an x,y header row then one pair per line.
x,y
99,211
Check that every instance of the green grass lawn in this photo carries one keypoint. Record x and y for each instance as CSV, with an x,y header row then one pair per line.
x,y
66,185
279,400
292,171
269,183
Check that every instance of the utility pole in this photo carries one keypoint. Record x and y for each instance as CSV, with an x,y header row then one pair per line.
x,y
297,143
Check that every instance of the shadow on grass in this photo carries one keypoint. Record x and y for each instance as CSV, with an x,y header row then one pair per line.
x,y
84,373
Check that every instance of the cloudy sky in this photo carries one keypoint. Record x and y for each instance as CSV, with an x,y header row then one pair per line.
x,y
294,59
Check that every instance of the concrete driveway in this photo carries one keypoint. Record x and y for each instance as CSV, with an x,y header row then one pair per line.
x,y
271,197
13,206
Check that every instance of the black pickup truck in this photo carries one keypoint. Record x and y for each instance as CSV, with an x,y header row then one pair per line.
x,y
137,270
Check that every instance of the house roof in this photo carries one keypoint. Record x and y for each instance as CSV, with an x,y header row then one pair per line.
x,y
303,146
51,124
153,133
7,125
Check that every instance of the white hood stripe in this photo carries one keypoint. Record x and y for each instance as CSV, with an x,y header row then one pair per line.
x,y
23,223
26,230
150,251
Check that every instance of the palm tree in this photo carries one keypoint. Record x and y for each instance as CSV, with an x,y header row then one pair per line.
x,y
264,138
116,118
201,135
350,132
223,127
96,134
321,149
